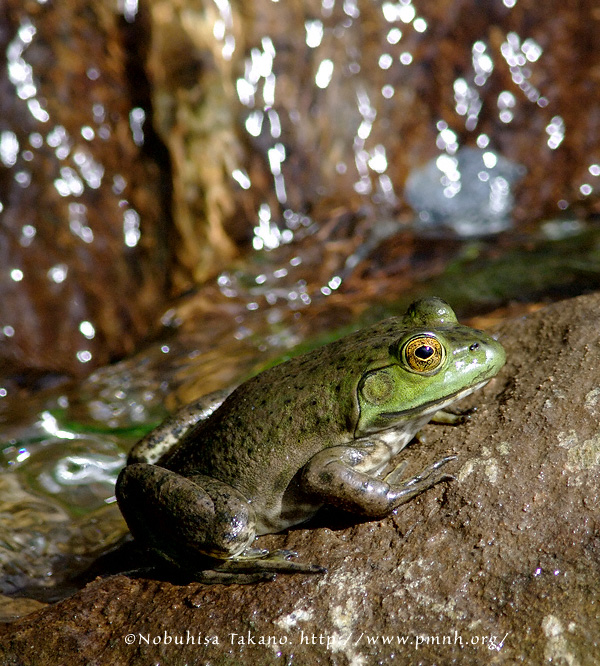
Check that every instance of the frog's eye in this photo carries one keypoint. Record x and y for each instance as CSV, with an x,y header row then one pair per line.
x,y
377,387
423,354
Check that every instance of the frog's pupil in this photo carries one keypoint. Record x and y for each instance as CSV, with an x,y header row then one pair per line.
x,y
424,352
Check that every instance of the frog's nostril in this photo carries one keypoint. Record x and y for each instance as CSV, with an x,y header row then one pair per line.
x,y
474,346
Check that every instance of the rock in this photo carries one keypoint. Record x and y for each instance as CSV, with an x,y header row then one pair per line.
x,y
508,550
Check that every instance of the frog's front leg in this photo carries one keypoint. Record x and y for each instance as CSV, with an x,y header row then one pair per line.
x,y
188,519
443,417
337,476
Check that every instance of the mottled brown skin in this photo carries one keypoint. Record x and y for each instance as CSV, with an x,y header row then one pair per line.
x,y
318,429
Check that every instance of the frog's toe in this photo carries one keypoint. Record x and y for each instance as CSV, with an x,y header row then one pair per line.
x,y
453,418
253,554
279,560
281,554
431,474
216,576
427,478
250,553
396,474
274,561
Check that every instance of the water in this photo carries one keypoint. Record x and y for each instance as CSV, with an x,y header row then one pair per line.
x,y
470,193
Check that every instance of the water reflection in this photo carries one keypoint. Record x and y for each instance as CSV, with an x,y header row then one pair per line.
x,y
70,174
469,192
20,72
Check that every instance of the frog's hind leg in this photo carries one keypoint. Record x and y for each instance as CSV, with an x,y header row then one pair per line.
x,y
183,518
165,437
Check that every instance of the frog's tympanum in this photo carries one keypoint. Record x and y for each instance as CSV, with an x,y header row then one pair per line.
x,y
318,429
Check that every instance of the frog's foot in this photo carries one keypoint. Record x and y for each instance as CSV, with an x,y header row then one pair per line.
x,y
251,553
450,418
260,560
215,576
207,576
396,474
428,477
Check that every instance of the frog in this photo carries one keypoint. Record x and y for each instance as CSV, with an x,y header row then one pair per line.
x,y
320,429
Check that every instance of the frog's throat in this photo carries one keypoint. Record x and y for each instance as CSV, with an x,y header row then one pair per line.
x,y
434,405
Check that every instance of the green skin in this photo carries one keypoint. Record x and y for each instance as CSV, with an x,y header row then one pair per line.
x,y
318,429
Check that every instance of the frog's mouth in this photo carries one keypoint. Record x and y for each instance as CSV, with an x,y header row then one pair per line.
x,y
430,408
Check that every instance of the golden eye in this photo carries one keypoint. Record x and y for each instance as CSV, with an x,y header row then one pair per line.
x,y
377,387
424,354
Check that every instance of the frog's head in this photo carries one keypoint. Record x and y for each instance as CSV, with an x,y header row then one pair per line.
x,y
433,362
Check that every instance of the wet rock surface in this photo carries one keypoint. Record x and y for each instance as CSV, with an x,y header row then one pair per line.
x,y
502,563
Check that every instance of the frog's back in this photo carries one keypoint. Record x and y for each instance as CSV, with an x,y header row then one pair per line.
x,y
271,425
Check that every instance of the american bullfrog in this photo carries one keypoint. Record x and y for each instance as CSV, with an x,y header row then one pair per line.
x,y
318,429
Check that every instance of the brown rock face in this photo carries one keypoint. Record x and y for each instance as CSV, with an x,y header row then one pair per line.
x,y
276,111
499,566
82,251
